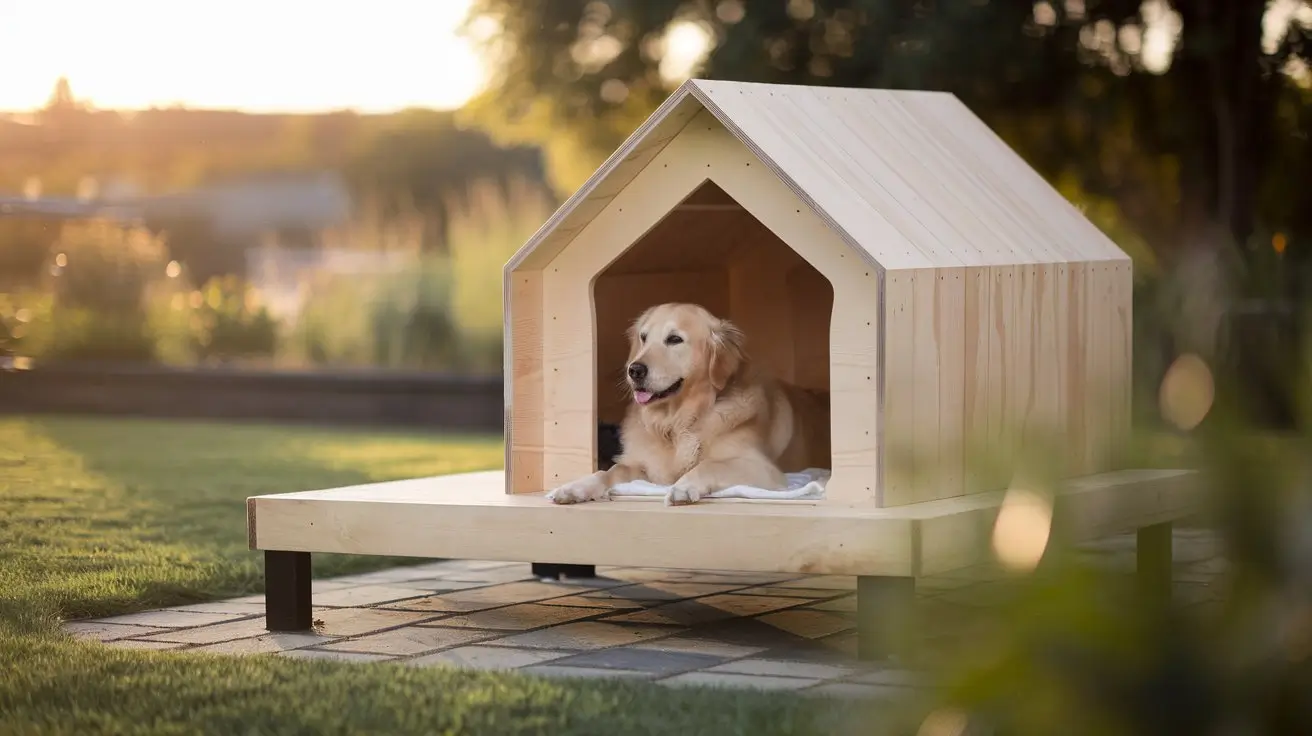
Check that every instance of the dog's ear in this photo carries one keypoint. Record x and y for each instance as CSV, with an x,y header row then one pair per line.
x,y
727,352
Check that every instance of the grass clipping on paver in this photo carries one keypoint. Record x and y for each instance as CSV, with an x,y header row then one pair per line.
x,y
106,516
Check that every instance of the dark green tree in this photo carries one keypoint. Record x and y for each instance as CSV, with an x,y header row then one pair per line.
x,y
1197,142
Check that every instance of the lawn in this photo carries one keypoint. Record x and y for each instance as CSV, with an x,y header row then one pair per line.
x,y
104,516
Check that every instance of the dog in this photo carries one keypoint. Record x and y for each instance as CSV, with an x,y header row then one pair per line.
x,y
703,417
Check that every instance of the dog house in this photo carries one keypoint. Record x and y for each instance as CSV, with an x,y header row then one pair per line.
x,y
885,247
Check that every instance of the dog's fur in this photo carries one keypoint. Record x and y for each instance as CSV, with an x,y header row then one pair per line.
x,y
725,423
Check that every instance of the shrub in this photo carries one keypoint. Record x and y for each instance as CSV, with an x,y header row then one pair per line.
x,y
228,321
100,275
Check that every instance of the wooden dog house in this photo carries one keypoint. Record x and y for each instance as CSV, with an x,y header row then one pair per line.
x,y
886,246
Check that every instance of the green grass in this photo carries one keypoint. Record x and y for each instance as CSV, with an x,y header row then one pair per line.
x,y
103,516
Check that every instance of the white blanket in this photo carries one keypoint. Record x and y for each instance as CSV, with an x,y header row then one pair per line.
x,y
808,485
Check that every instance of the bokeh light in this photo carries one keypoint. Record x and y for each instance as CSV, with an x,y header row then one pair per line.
x,y
1187,392
1020,533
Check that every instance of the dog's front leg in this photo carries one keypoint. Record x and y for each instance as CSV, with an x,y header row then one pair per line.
x,y
716,474
596,486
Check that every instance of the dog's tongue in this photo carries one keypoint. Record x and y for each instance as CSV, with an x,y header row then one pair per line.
x,y
642,397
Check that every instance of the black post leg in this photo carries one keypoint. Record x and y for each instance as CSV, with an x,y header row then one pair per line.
x,y
556,571
885,616
287,591
1153,563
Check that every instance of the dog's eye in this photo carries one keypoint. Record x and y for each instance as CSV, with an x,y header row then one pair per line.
x,y
642,337
673,340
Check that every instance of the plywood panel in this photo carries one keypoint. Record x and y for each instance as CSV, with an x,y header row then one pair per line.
x,y
977,383
1097,362
760,303
524,407
810,306
901,443
706,150
1045,422
1122,353
1077,370
950,329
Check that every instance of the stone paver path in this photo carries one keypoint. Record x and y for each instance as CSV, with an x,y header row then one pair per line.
x,y
781,631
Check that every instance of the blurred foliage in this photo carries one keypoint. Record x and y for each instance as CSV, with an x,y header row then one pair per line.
x,y
1080,648
228,321
388,319
1181,152
99,278
493,225
444,311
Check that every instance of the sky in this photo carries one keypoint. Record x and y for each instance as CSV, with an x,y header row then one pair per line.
x,y
256,55
310,55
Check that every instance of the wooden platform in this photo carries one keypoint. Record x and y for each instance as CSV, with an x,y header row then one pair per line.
x,y
470,516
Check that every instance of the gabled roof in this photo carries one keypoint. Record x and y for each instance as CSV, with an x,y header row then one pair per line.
x,y
913,179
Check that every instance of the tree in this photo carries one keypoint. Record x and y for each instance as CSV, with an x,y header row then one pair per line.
x,y
1181,137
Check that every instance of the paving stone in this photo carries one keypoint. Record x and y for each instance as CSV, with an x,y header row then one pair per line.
x,y
489,658
745,578
409,640
593,602
212,634
851,690
808,624
264,644
780,668
416,572
663,591
160,646
585,635
845,644
357,621
251,609
493,576
678,613
100,631
518,618
334,656
435,585
814,594
549,670
728,680
748,605
365,595
481,599
173,619
642,660
646,574
846,604
692,645
828,582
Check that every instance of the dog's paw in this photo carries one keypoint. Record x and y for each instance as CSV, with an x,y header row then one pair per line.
x,y
683,494
584,489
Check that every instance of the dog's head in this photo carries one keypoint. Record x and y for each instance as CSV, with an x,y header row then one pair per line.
x,y
677,347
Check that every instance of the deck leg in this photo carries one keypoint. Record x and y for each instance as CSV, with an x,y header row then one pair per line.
x,y
556,571
287,591
1153,563
885,616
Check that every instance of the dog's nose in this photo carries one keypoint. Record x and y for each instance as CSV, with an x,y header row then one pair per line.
x,y
637,371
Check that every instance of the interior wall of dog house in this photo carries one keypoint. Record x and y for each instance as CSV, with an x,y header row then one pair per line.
x,y
928,368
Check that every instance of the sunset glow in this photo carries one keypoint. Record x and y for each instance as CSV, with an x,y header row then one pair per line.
x,y
256,55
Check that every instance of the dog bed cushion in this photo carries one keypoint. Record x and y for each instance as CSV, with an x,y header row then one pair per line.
x,y
807,485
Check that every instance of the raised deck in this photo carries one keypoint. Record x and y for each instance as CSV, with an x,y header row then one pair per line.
x,y
470,516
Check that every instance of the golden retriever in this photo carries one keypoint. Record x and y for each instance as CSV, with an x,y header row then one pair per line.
x,y
703,417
